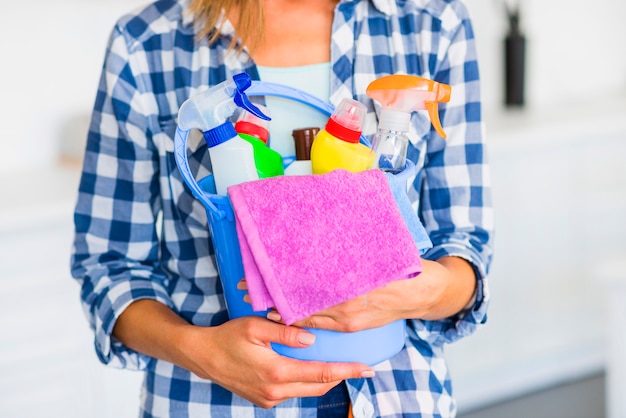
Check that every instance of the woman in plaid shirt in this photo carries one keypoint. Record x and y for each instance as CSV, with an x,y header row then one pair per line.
x,y
142,252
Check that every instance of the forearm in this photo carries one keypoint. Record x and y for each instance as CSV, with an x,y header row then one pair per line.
x,y
445,287
155,330
152,328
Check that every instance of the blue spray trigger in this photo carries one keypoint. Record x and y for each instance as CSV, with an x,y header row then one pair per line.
x,y
243,81
242,101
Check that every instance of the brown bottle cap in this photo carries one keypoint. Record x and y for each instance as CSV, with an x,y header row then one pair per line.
x,y
304,139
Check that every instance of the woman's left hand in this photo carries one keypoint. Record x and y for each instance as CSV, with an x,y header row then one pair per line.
x,y
444,288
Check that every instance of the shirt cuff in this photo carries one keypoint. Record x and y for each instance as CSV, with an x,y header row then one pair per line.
x,y
467,321
112,303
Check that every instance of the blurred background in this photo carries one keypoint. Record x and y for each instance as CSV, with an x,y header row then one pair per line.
x,y
556,331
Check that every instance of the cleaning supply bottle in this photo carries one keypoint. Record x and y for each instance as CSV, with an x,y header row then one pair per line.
x,y
255,130
337,145
400,95
232,157
303,140
252,125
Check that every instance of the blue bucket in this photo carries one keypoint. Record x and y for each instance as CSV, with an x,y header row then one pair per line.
x,y
368,346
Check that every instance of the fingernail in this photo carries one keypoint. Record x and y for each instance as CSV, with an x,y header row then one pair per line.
x,y
306,338
273,316
368,373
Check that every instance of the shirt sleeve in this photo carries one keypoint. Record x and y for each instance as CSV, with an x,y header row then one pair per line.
x,y
115,251
455,198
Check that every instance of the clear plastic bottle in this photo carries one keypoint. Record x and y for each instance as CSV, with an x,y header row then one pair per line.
x,y
391,141
400,95
337,145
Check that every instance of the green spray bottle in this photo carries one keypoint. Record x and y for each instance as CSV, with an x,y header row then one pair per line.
x,y
255,130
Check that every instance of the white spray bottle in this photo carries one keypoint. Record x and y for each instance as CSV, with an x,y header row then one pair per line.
x,y
232,158
399,96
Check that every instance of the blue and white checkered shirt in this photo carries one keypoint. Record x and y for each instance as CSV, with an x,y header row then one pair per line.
x,y
141,234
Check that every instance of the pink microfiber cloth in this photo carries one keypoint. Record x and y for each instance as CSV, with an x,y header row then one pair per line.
x,y
311,242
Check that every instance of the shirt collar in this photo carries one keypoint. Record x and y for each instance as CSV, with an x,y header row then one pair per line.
x,y
187,15
383,6
224,25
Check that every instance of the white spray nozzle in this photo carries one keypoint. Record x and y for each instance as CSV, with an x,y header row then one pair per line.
x,y
214,106
402,94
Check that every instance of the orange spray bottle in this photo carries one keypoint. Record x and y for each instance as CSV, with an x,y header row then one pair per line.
x,y
400,95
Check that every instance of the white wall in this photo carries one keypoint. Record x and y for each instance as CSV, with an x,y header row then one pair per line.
x,y
574,50
52,53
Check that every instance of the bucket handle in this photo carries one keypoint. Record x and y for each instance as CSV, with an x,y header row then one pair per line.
x,y
265,88
258,88
180,153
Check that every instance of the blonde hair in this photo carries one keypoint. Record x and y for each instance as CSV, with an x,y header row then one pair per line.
x,y
246,16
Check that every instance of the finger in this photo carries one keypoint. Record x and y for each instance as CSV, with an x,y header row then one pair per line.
x,y
331,372
281,392
315,378
318,321
302,390
242,285
286,335
308,371
274,316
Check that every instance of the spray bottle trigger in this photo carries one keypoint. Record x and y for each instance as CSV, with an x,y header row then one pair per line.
x,y
242,82
433,112
242,101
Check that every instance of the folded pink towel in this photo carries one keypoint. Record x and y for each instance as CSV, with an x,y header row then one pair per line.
x,y
311,242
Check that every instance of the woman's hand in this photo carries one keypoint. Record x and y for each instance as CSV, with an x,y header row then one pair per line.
x,y
443,289
236,355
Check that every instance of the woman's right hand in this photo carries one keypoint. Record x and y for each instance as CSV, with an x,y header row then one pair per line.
x,y
237,355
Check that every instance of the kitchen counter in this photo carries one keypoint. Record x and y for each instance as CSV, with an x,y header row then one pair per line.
x,y
612,274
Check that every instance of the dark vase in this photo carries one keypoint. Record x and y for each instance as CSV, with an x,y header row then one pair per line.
x,y
514,63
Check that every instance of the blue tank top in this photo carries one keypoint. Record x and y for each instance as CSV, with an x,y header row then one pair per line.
x,y
288,115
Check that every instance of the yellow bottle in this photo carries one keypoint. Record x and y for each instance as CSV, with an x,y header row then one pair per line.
x,y
337,145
